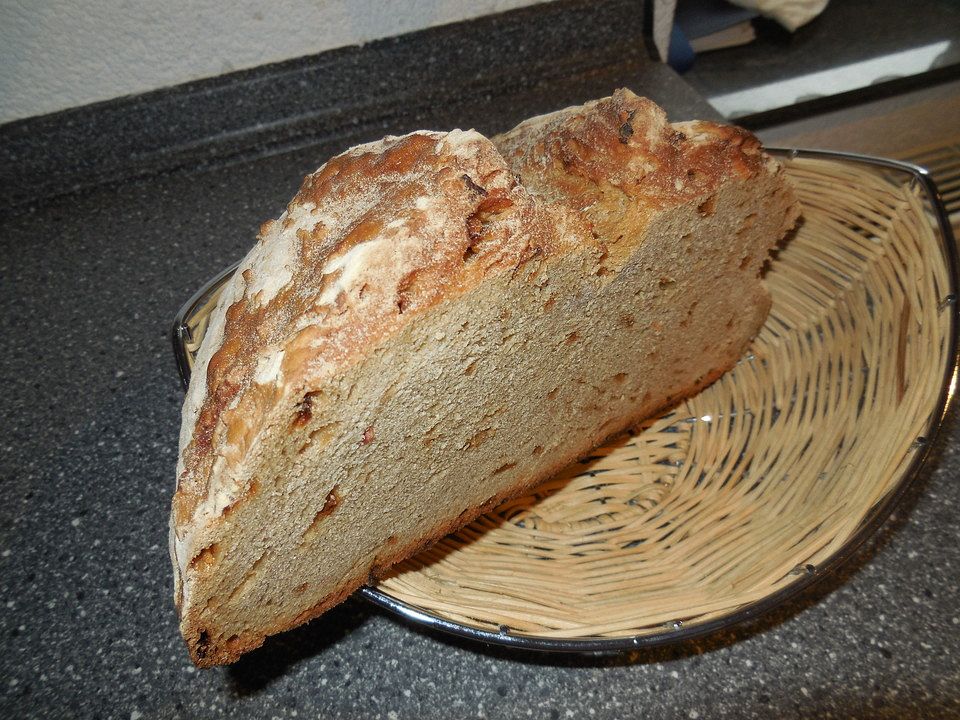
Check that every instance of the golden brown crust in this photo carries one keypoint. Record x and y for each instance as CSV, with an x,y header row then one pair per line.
x,y
618,158
442,212
624,141
388,230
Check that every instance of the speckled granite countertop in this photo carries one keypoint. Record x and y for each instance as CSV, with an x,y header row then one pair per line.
x,y
90,406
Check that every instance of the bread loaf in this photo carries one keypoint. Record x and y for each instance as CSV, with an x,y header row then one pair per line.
x,y
437,323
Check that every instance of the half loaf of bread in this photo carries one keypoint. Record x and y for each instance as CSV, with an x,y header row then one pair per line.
x,y
438,322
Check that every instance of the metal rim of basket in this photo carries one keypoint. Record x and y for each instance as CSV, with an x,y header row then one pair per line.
x,y
677,632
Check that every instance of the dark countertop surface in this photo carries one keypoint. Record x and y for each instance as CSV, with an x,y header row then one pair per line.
x,y
90,406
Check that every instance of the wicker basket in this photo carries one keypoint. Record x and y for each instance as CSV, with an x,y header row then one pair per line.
x,y
747,492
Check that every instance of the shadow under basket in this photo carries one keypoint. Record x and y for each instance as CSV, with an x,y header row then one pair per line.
x,y
748,492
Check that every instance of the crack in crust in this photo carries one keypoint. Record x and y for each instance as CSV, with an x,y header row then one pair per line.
x,y
379,232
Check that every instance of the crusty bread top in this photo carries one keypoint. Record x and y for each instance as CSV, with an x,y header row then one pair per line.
x,y
625,142
388,229
375,236
617,161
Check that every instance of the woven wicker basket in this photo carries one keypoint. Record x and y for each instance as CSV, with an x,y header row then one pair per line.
x,y
747,492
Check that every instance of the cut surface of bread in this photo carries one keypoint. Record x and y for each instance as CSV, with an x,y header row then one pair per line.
x,y
438,322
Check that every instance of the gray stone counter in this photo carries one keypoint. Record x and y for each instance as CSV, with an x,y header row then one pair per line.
x,y
90,409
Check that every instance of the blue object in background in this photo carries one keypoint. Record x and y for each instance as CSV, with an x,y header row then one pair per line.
x,y
696,19
680,56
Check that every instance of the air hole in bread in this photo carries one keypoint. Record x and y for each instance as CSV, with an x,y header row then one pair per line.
x,y
473,186
745,263
538,451
548,305
553,393
301,588
368,436
432,434
571,338
319,436
329,505
252,489
303,411
627,320
619,377
479,221
470,369
406,291
363,290
479,438
206,558
686,321
666,281
503,468
708,206
203,644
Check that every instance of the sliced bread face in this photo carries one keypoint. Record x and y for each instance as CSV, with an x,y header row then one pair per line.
x,y
430,329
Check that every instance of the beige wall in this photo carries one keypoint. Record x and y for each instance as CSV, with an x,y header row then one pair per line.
x,y
56,54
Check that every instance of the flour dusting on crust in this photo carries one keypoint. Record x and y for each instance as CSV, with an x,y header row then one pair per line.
x,y
375,236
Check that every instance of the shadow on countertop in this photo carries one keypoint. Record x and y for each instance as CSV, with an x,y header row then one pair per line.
x,y
257,669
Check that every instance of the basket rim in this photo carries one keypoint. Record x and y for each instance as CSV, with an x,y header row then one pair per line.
x,y
676,632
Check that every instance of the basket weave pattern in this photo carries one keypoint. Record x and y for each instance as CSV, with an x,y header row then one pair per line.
x,y
736,492
758,478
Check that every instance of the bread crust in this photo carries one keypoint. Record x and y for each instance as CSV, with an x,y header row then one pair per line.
x,y
391,230
349,279
625,142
